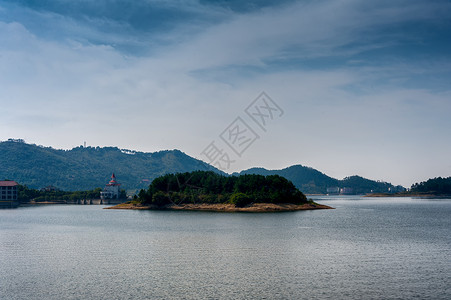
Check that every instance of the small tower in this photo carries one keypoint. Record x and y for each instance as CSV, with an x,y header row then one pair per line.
x,y
113,180
111,190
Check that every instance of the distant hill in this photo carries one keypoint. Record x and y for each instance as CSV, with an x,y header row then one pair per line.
x,y
312,181
85,168
436,186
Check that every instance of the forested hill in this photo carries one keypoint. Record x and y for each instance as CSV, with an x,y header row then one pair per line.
x,y
311,181
85,168
436,186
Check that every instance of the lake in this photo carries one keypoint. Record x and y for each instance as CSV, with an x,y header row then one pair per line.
x,y
366,248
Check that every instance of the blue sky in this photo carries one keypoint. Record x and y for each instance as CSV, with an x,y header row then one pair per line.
x,y
365,86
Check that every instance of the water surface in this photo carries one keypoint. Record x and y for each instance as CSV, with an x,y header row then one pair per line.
x,y
386,248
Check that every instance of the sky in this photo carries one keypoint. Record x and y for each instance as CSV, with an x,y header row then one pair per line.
x,y
350,87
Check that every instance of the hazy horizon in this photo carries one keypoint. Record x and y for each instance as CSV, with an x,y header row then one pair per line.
x,y
352,87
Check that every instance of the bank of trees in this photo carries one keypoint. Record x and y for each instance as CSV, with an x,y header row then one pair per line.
x,y
26,194
210,187
437,186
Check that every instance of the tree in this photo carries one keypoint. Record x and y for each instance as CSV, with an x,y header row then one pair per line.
x,y
210,187
240,199
160,199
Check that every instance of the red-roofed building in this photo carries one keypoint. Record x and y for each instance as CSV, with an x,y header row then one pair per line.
x,y
111,190
8,194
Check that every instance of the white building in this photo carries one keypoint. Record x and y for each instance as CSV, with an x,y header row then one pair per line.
x,y
111,190
335,190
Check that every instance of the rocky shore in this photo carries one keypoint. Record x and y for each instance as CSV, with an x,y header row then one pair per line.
x,y
255,207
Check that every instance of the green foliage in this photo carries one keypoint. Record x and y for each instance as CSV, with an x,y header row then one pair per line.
x,y
84,168
210,187
240,199
26,194
362,185
160,199
438,186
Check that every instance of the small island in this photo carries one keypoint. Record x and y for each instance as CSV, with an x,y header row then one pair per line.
x,y
209,191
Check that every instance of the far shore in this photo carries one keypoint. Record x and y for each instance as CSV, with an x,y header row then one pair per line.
x,y
255,207
432,196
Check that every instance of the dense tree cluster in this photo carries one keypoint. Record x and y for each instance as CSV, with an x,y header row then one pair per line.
x,y
438,186
210,187
26,194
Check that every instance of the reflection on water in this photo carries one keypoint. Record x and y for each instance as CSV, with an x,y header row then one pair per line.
x,y
366,248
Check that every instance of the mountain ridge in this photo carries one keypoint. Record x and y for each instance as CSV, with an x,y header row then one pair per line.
x,y
312,181
86,168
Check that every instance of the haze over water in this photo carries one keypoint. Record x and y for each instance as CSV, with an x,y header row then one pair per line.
x,y
365,248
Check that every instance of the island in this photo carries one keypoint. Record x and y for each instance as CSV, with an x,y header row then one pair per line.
x,y
209,191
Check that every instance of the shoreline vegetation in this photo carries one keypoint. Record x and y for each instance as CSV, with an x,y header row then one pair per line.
x,y
53,195
209,191
438,188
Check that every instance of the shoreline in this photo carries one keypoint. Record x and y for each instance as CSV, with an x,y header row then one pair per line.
x,y
386,195
255,207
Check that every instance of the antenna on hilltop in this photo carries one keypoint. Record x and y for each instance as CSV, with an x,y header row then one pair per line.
x,y
84,144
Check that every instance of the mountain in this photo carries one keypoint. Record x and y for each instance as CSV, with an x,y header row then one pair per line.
x,y
85,168
311,181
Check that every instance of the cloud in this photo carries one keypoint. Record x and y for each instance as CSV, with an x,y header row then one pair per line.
x,y
351,75
131,27
318,29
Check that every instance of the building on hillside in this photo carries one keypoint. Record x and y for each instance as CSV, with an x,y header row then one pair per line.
x,y
396,189
49,188
8,194
111,190
335,190
346,191
16,140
